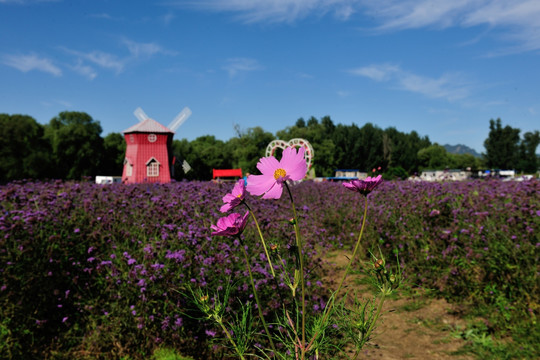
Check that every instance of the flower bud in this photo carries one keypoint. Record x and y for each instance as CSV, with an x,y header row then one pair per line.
x,y
378,264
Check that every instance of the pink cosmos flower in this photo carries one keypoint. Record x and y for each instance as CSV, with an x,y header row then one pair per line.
x,y
292,167
235,197
230,225
365,186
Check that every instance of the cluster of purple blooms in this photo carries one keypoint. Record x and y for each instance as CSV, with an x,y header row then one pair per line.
x,y
87,254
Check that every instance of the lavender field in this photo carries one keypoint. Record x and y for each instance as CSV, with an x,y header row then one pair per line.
x,y
90,271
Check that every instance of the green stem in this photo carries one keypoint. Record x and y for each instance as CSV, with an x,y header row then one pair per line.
x,y
366,335
262,241
257,298
230,339
377,314
356,247
328,308
301,260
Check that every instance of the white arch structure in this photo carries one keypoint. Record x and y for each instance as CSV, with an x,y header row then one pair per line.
x,y
296,143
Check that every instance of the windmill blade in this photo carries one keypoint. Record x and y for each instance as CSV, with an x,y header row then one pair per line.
x,y
140,114
179,119
186,167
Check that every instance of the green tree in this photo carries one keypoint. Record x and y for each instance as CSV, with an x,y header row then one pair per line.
x,y
368,149
528,161
465,161
401,149
203,154
347,154
434,157
248,147
502,146
23,150
313,122
182,150
114,152
300,123
77,146
393,173
328,125
319,135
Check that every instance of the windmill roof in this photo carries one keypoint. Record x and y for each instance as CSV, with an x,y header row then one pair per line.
x,y
150,126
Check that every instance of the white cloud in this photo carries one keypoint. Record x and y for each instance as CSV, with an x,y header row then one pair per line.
x,y
101,16
113,62
251,11
237,65
380,72
63,103
450,86
168,18
105,60
31,62
102,59
304,76
138,50
23,2
515,21
85,70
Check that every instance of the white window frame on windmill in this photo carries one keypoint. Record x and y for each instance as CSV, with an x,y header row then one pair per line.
x,y
129,168
152,167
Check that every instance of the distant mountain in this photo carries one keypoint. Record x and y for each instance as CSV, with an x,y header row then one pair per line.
x,y
461,149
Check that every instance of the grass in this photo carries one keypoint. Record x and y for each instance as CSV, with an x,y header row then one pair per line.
x,y
168,354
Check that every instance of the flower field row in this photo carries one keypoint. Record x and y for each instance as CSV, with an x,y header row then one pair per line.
x,y
90,271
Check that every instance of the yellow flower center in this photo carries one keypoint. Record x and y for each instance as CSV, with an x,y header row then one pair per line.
x,y
279,173
239,195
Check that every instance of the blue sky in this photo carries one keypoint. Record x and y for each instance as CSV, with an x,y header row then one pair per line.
x,y
442,68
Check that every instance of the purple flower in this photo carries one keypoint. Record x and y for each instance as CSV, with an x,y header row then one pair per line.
x,y
365,186
230,225
235,197
178,322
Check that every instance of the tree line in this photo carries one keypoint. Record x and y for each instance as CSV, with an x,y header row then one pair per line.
x,y
71,147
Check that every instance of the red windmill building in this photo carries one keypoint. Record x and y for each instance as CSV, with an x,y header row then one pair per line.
x,y
148,150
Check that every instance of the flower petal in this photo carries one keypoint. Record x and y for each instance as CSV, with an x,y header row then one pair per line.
x,y
274,192
225,207
294,163
267,165
350,186
259,184
228,197
239,189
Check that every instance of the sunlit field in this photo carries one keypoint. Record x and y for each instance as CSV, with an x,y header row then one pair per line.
x,y
90,271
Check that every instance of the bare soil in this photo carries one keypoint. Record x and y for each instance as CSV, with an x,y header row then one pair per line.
x,y
412,326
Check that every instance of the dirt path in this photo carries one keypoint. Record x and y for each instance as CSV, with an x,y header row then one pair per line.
x,y
412,326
